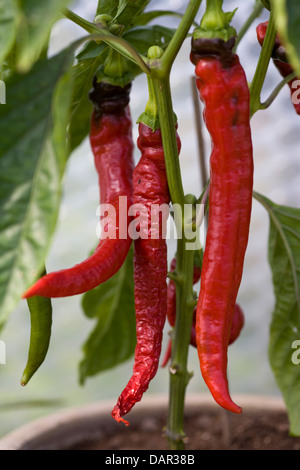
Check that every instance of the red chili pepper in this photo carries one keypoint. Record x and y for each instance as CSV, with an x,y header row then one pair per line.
x,y
112,145
150,187
223,87
284,68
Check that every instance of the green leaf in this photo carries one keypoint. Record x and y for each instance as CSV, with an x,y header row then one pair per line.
x,y
121,7
146,17
8,26
113,339
129,10
287,19
284,259
37,19
33,154
107,7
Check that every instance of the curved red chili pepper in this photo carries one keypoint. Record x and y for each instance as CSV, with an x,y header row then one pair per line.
x,y
284,68
223,87
112,145
150,187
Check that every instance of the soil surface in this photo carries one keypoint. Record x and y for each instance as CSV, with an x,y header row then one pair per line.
x,y
206,431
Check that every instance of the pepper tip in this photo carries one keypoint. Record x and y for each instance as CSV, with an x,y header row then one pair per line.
x,y
117,416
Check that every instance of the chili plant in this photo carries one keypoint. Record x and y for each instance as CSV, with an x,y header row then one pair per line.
x,y
84,92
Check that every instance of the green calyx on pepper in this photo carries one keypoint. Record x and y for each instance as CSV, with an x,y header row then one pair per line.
x,y
115,70
150,117
215,23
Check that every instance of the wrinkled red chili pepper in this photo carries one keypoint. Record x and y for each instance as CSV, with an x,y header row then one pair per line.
x,y
223,88
280,61
150,187
112,145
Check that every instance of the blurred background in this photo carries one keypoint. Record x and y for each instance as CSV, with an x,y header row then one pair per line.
x,y
277,164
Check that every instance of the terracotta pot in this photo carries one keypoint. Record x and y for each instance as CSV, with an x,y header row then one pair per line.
x,y
92,427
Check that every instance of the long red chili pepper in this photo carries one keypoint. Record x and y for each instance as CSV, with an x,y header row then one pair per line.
x,y
223,87
150,187
284,68
112,145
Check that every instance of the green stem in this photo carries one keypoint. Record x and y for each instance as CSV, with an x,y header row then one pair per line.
x,y
179,375
262,67
180,34
161,86
266,104
89,27
258,8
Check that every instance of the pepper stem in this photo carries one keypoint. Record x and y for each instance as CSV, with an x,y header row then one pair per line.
x,y
150,117
215,22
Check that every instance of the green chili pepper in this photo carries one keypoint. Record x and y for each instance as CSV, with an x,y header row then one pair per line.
x,y
40,309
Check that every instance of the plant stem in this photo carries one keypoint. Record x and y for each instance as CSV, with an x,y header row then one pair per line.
x,y
257,9
179,375
89,27
180,34
161,86
266,104
262,67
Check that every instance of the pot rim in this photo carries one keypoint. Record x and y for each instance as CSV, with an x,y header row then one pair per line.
x,y
68,426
